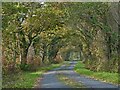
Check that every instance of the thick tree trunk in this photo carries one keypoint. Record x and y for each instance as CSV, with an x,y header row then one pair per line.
x,y
114,23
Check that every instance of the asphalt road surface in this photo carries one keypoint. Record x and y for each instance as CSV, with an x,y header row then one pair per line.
x,y
50,78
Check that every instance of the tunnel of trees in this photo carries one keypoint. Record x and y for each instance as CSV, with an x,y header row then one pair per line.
x,y
36,34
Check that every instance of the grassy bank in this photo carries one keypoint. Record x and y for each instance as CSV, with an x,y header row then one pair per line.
x,y
25,79
103,76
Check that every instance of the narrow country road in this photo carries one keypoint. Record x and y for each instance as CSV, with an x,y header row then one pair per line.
x,y
50,78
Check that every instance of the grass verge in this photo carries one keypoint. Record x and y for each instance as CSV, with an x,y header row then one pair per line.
x,y
25,79
103,76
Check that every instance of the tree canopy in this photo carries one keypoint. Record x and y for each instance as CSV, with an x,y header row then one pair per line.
x,y
54,30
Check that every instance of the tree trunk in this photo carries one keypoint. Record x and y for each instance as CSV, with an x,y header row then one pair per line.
x,y
67,56
44,52
109,51
119,42
53,50
24,56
